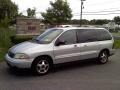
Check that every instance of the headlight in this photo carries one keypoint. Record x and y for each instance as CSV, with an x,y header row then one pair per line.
x,y
21,56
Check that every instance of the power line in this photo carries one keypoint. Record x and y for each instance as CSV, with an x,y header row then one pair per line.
x,y
112,8
103,11
99,14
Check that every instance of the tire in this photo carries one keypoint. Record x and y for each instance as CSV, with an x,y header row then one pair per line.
x,y
103,57
41,66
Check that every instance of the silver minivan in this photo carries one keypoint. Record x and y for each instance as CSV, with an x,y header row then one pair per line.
x,y
60,45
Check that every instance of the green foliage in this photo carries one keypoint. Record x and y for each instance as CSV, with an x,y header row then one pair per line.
x,y
91,22
99,21
112,30
8,10
76,21
117,43
117,20
2,54
21,38
5,35
5,41
116,34
5,22
117,29
31,12
58,13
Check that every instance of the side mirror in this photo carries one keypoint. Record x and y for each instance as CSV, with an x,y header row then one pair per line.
x,y
60,42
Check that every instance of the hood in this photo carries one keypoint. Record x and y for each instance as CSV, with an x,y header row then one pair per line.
x,y
27,47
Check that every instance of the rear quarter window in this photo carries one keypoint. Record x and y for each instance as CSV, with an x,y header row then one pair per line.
x,y
103,35
92,35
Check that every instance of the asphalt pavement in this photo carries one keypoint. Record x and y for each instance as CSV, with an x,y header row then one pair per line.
x,y
87,75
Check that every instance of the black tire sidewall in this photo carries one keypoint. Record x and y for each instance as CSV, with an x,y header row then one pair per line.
x,y
99,58
34,65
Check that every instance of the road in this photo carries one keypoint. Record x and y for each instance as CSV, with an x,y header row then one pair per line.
x,y
87,75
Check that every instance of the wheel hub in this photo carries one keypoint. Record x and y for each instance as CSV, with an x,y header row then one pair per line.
x,y
103,57
42,66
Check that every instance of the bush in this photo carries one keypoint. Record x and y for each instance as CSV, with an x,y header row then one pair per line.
x,y
4,22
5,35
117,43
117,29
113,30
2,54
20,38
5,41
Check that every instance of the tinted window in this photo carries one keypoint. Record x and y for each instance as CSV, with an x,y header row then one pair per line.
x,y
69,37
92,35
85,36
103,35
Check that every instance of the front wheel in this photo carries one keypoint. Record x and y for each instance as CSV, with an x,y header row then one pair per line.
x,y
41,66
103,57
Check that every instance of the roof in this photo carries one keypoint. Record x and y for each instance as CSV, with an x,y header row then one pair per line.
x,y
68,28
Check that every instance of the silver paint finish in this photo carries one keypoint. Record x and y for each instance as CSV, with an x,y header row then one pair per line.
x,y
59,54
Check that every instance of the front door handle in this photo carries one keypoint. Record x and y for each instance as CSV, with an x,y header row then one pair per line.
x,y
75,45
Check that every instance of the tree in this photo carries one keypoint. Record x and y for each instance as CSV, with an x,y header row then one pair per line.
x,y
31,12
8,11
117,20
99,21
77,21
58,13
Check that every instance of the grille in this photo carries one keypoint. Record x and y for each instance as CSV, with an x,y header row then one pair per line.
x,y
11,54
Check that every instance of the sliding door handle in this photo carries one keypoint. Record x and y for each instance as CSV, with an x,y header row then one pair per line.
x,y
85,45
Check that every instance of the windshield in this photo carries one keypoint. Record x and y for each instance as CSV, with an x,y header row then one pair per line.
x,y
48,36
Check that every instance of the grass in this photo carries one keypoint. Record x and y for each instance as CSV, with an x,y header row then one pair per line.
x,y
116,33
2,54
117,40
5,41
117,44
5,34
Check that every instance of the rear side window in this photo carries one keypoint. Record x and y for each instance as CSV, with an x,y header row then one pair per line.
x,y
103,35
86,36
91,35
69,37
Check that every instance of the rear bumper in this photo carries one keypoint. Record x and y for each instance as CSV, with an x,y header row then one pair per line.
x,y
18,63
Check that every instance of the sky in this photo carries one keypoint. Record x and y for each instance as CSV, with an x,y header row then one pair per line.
x,y
93,9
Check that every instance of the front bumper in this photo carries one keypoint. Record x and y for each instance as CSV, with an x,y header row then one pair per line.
x,y
18,62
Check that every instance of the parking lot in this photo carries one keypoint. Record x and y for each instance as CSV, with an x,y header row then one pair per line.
x,y
87,75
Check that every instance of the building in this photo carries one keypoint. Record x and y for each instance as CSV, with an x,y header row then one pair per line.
x,y
29,26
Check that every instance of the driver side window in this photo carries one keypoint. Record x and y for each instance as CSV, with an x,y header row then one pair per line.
x,y
69,37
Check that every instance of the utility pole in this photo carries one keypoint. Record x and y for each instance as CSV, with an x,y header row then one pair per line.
x,y
81,12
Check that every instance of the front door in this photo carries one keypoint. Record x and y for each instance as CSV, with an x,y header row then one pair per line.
x,y
69,51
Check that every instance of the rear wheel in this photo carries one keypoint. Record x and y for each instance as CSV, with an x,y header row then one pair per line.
x,y
42,66
103,57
